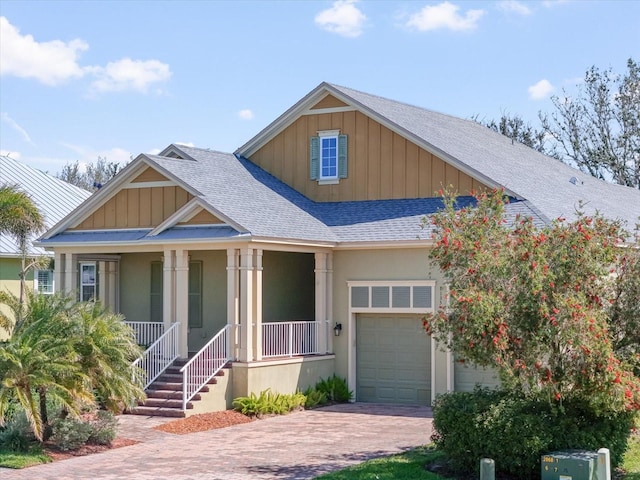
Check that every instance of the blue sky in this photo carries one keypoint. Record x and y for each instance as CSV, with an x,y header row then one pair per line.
x,y
84,79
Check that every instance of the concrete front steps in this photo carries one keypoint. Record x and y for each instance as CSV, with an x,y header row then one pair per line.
x,y
164,396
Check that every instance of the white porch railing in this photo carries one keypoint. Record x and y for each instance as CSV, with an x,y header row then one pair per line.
x,y
146,332
286,339
205,364
159,356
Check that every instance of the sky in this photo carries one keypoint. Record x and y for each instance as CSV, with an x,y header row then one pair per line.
x,y
86,79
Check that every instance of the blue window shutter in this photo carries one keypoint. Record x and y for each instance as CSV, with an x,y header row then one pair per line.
x,y
342,156
314,159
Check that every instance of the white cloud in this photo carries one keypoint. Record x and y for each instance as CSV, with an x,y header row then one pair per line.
x,y
343,18
154,151
444,15
540,90
5,118
127,74
86,154
186,144
554,3
51,63
514,6
54,62
245,114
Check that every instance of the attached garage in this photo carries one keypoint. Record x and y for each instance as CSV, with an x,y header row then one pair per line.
x,y
393,360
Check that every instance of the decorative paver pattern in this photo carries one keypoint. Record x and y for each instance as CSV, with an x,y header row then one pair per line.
x,y
297,446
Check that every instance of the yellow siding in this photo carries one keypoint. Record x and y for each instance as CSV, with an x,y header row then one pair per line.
x,y
137,208
202,218
382,164
150,175
329,102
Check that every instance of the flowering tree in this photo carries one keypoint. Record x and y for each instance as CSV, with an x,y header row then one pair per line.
x,y
551,308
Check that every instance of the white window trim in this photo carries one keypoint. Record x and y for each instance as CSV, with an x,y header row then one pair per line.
x,y
36,282
95,280
328,178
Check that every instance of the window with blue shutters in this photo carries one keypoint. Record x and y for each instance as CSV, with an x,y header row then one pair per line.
x,y
328,157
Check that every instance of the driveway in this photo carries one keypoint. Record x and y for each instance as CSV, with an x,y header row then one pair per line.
x,y
297,446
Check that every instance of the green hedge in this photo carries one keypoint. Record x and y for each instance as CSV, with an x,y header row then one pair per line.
x,y
515,431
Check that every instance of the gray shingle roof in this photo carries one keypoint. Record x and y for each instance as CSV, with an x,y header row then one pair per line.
x,y
54,197
526,173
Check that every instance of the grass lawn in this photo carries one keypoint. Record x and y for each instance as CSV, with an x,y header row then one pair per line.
x,y
34,456
410,466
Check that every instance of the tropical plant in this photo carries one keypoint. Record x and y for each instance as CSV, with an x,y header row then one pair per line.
x,y
105,348
72,353
21,219
538,303
39,362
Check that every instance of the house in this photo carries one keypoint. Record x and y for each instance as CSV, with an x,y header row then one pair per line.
x,y
301,254
55,199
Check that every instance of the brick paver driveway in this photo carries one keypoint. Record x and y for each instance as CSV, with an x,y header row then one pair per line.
x,y
300,445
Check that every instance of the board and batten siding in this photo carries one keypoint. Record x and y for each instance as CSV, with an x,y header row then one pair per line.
x,y
138,207
382,163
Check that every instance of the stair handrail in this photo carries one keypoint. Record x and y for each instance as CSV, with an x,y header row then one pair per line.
x,y
205,364
159,356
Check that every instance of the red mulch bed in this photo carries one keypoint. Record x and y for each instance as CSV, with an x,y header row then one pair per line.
x,y
204,421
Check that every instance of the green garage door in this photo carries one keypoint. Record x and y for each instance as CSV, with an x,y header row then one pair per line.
x,y
466,377
393,359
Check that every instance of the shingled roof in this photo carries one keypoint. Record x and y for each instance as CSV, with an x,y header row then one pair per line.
x,y
258,205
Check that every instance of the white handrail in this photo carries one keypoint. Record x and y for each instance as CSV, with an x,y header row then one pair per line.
x,y
204,365
286,339
146,332
159,356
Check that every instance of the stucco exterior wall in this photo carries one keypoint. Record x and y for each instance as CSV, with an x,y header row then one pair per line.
x,y
135,285
288,281
282,376
10,282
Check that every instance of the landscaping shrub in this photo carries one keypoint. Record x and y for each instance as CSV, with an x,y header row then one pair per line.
x,y
314,398
268,402
16,435
70,433
335,388
515,431
104,428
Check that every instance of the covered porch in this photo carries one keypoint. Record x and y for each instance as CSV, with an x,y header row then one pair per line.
x,y
267,311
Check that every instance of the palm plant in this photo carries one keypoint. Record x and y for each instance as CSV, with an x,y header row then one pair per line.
x,y
106,347
39,362
21,219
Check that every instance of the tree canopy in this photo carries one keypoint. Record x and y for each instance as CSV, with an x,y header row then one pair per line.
x,y
553,309
92,176
597,129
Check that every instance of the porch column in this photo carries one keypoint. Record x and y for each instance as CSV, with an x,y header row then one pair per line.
x,y
246,305
168,288
233,298
441,370
182,300
257,304
321,300
58,272
114,285
70,273
103,284
328,324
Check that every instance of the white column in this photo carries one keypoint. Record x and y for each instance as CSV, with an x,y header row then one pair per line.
x,y
328,324
70,273
233,299
182,300
103,284
58,272
321,299
246,305
112,286
168,288
257,304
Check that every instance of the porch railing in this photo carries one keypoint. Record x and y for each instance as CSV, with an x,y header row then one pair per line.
x,y
204,365
159,356
146,332
286,339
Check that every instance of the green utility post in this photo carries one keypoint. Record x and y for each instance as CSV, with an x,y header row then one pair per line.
x,y
487,469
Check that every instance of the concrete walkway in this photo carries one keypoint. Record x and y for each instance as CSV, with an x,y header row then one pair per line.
x,y
297,446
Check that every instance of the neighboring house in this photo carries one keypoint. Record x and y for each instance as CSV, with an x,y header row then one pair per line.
x,y
304,248
55,199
